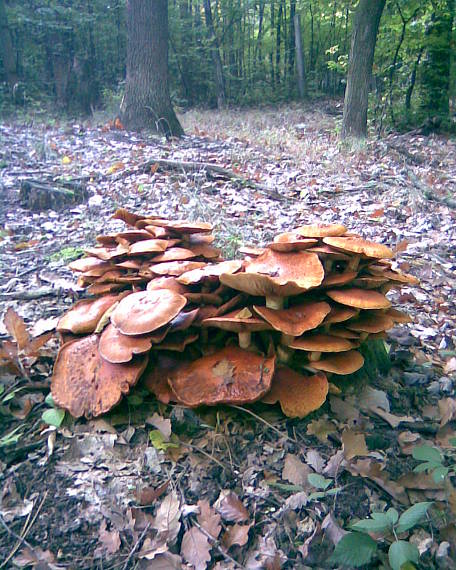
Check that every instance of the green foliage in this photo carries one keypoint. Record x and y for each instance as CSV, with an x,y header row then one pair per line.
x,y
354,550
433,461
67,254
53,416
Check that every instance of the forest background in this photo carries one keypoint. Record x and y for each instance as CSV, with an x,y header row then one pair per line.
x,y
231,53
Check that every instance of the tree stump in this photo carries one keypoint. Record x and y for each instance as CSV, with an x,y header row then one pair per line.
x,y
38,195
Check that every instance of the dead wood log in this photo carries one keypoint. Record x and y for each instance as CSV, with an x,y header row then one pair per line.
x,y
38,195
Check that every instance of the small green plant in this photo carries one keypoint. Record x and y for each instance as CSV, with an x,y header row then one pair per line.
x,y
67,254
433,461
357,548
53,416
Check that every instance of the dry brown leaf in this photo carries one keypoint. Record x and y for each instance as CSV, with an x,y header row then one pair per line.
x,y
421,481
408,440
16,327
295,471
354,444
230,507
196,549
447,407
110,539
343,410
236,534
166,521
374,471
391,419
162,424
148,495
445,436
321,429
315,460
450,365
331,529
208,518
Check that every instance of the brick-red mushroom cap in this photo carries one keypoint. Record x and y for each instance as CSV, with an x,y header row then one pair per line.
x,y
321,230
371,323
116,347
343,363
360,246
146,311
360,298
84,383
290,241
229,376
83,317
297,394
297,319
321,343
209,271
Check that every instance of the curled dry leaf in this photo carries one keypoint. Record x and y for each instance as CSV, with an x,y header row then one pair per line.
x,y
374,471
230,507
236,534
354,444
321,428
16,327
208,518
196,549
166,521
295,471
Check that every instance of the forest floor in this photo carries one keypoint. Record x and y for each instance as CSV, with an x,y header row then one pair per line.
x,y
97,494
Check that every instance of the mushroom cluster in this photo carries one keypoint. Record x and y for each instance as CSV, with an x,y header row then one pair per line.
x,y
200,330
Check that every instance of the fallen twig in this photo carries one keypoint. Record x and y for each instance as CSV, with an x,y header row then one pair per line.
x,y
429,194
215,543
135,547
32,295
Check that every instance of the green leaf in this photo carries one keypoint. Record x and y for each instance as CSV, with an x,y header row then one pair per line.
x,y
393,515
49,400
53,417
380,522
135,400
412,516
452,441
12,437
401,552
439,474
318,481
2,389
158,441
355,550
427,453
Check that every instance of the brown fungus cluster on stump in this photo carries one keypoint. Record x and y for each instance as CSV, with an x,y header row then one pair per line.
x,y
202,330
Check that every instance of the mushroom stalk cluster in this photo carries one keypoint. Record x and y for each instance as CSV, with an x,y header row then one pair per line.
x,y
164,305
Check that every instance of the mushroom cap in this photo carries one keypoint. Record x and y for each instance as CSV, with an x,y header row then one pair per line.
x,y
107,253
332,279
370,323
251,250
183,226
360,246
321,230
83,317
341,332
229,376
148,246
169,283
393,275
177,341
146,311
339,314
174,254
156,375
183,320
398,316
209,271
279,274
84,383
295,320
133,264
325,251
290,241
197,239
370,281
343,363
84,264
321,343
237,321
104,288
116,347
204,250
297,394
360,298
176,268
129,218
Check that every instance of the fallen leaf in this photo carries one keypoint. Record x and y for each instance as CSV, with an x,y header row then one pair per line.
x,y
196,549
315,460
148,495
230,507
331,529
16,327
208,518
374,471
370,398
110,539
391,419
344,411
321,429
354,444
295,471
166,521
446,436
447,407
163,425
450,366
236,534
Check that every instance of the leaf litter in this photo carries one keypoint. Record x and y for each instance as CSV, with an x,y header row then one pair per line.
x,y
228,491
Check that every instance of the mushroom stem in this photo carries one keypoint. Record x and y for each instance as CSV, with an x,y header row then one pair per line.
x,y
287,339
385,288
245,338
204,336
273,302
327,264
314,356
353,264
284,353
363,336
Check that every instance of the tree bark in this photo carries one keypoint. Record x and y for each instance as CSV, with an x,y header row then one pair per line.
x,y
147,103
299,57
436,63
216,59
7,52
364,38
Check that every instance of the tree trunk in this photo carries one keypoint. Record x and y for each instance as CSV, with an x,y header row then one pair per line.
x,y
147,102
299,57
364,37
436,63
215,54
7,52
